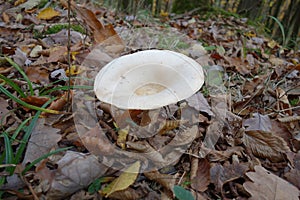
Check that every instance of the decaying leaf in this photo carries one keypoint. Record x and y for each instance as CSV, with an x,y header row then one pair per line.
x,y
3,111
43,138
122,136
166,180
75,171
202,178
266,145
266,185
35,100
96,142
200,103
124,180
100,32
38,75
258,122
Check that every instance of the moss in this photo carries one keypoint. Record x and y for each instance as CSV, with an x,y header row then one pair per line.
x,y
58,27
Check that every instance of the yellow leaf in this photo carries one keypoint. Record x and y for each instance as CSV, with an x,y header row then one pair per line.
x,y
122,136
73,71
124,180
250,34
18,2
48,13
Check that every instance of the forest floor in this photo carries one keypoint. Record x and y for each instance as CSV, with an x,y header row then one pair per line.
x,y
236,138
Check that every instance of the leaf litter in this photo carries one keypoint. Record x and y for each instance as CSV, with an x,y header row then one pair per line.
x,y
239,137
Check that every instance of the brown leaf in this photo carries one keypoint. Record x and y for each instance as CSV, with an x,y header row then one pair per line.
x,y
266,185
266,145
199,102
38,75
165,180
219,175
258,122
202,178
35,100
96,142
43,138
75,171
241,66
3,111
100,32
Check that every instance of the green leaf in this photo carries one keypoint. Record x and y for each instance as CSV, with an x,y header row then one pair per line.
x,y
182,194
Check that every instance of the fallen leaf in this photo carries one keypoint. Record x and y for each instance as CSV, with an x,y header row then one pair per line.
x,y
202,179
3,111
199,102
35,100
266,185
38,75
258,122
43,138
124,180
122,137
241,66
96,142
74,171
48,13
165,180
100,32
5,17
265,145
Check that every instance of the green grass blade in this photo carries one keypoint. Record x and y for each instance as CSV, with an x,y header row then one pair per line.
x,y
15,65
9,155
27,134
20,127
19,101
13,85
281,28
67,88
28,167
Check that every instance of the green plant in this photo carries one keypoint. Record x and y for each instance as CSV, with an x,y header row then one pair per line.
x,y
281,29
182,194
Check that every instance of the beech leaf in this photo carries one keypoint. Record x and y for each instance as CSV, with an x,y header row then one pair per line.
x,y
266,145
266,185
124,180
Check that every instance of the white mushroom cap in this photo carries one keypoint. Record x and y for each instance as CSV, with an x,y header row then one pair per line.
x,y
148,80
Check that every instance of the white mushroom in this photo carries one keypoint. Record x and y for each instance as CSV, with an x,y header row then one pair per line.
x,y
148,80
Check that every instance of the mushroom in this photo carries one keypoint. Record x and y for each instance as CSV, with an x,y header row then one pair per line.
x,y
148,80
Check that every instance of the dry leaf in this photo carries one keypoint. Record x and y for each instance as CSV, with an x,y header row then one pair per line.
x,y
258,122
100,32
96,142
265,145
202,178
5,17
241,66
122,137
166,180
75,171
48,13
124,180
266,185
199,102
43,138
3,111
35,100
38,75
